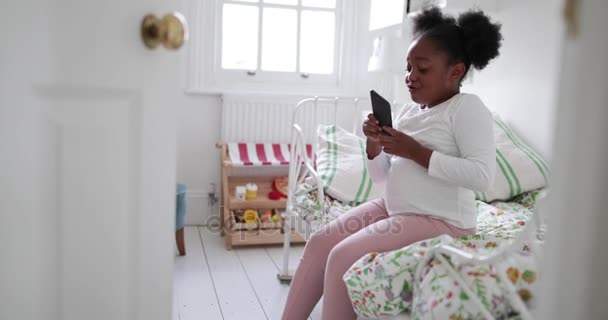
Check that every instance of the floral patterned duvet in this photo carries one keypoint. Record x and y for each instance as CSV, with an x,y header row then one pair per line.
x,y
316,213
382,285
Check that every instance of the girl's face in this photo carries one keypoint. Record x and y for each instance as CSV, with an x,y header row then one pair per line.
x,y
429,78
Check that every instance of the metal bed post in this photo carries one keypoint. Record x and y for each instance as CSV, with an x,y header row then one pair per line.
x,y
301,166
284,276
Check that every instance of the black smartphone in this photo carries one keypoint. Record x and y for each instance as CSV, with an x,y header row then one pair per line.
x,y
381,109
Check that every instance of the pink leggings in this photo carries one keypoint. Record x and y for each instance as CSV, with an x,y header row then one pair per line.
x,y
333,249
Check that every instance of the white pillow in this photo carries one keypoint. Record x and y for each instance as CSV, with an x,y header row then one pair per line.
x,y
341,163
518,168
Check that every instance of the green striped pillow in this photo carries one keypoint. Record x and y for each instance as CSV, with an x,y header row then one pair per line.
x,y
518,168
342,166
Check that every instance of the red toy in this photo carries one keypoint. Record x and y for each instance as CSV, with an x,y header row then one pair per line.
x,y
280,187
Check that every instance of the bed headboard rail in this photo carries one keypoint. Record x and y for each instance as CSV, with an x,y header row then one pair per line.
x,y
269,119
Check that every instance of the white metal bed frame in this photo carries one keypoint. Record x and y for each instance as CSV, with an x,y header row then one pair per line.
x,y
301,167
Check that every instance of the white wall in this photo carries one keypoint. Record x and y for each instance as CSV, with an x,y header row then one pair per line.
x,y
198,165
198,129
521,83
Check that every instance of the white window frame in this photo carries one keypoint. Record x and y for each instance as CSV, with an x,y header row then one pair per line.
x,y
205,74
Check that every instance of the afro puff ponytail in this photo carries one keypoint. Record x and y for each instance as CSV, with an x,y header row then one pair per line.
x,y
472,39
482,38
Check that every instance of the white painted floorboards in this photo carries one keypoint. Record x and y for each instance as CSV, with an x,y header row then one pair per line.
x,y
213,283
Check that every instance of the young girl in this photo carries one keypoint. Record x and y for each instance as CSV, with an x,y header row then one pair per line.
x,y
440,151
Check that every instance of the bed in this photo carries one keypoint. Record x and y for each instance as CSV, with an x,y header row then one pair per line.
x,y
492,274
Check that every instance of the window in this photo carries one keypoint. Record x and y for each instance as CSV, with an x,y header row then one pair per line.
x,y
297,36
271,45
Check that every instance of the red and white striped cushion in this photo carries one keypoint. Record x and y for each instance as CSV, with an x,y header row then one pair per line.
x,y
261,154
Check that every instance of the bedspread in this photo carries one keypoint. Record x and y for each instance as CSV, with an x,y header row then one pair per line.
x,y
381,285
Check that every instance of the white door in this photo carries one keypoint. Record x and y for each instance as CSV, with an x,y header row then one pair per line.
x,y
87,166
575,282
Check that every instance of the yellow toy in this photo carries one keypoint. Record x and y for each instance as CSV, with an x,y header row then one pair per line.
x,y
251,191
276,218
250,216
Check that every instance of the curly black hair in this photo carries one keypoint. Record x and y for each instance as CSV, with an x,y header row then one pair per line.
x,y
472,39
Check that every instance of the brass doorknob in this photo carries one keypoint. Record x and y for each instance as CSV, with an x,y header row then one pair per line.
x,y
171,31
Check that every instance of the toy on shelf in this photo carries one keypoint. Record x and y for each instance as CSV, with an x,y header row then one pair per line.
x,y
266,216
238,216
250,216
279,187
276,217
240,192
251,191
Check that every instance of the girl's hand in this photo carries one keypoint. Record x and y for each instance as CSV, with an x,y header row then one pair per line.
x,y
398,143
371,128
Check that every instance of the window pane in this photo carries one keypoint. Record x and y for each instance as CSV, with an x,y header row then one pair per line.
x,y
317,44
279,39
384,13
320,3
240,37
285,2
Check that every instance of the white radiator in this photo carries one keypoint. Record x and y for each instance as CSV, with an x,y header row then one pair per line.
x,y
268,119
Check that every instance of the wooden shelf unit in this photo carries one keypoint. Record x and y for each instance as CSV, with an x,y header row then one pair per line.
x,y
261,202
266,233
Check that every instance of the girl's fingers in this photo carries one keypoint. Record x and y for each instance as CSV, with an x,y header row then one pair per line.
x,y
386,144
371,124
372,118
371,129
385,138
390,131
370,133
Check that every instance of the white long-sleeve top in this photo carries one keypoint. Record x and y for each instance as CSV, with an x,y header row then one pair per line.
x,y
460,133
